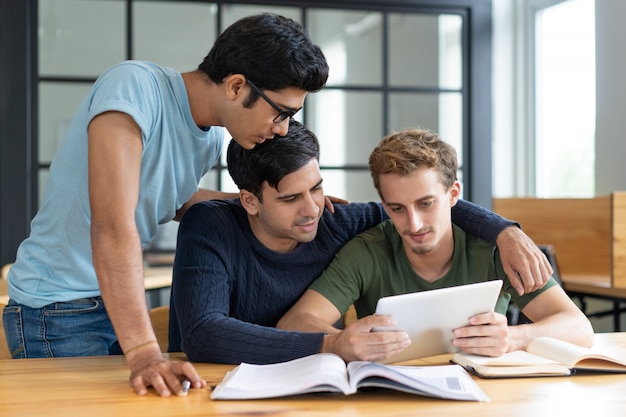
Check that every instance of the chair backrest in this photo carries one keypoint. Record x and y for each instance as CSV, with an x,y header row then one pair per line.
x,y
350,316
4,273
4,349
550,253
160,317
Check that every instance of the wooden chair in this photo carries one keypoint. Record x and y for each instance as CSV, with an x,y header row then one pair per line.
x,y
4,349
160,317
349,317
588,236
4,273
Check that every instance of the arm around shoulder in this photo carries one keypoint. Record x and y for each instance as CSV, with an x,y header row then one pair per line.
x,y
524,263
203,195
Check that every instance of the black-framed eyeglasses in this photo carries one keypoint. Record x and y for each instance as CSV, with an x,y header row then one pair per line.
x,y
282,114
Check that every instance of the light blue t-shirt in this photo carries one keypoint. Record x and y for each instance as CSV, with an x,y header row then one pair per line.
x,y
54,263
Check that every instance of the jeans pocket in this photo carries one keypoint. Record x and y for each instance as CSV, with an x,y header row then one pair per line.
x,y
78,328
75,307
14,330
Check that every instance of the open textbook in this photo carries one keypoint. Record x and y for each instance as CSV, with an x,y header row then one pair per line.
x,y
545,356
327,372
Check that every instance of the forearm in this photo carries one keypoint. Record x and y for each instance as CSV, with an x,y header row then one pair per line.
x,y
572,327
228,340
119,267
305,322
203,195
479,221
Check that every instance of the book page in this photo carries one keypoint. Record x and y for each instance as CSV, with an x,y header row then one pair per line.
x,y
515,358
445,381
577,356
315,373
511,364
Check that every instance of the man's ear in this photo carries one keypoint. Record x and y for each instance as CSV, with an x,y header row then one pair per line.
x,y
249,202
455,193
234,85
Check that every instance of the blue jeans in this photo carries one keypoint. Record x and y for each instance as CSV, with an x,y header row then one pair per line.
x,y
73,328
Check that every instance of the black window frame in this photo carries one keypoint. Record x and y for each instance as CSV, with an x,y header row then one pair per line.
x,y
19,166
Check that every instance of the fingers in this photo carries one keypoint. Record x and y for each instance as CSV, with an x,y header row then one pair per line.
x,y
486,335
524,264
367,339
192,375
141,382
528,274
166,377
515,279
370,323
329,204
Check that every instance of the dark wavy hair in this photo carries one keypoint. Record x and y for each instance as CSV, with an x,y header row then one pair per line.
x,y
272,51
271,160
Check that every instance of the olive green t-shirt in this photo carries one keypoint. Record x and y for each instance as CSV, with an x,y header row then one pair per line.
x,y
373,265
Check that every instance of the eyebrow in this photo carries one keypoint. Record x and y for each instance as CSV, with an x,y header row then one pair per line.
x,y
281,105
287,108
288,196
419,200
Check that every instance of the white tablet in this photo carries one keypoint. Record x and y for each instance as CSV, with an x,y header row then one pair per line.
x,y
430,316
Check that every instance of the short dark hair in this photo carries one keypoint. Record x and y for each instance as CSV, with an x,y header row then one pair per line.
x,y
271,160
273,51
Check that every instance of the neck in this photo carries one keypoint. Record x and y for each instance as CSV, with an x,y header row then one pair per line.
x,y
273,243
200,92
436,263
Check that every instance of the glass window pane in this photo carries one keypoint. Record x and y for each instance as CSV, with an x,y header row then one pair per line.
x,y
80,38
352,44
178,35
228,185
43,182
347,124
565,100
441,113
351,185
57,103
425,50
233,12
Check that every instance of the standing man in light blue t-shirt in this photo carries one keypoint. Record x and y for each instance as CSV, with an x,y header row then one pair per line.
x,y
132,159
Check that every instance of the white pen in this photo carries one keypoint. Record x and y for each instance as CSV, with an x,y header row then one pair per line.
x,y
186,386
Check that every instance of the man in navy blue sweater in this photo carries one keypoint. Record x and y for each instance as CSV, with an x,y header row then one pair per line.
x,y
241,264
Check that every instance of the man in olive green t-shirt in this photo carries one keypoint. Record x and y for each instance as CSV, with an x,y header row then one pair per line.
x,y
420,249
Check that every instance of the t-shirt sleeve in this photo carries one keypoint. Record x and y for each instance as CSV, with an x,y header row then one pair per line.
x,y
128,88
342,281
520,301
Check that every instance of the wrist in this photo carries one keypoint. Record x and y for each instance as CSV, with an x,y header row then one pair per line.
x,y
142,357
506,233
327,344
141,346
143,352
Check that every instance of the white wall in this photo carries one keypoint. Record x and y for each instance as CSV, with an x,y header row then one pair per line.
x,y
610,96
513,169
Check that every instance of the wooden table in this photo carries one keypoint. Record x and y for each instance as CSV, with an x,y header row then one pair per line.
x,y
98,386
